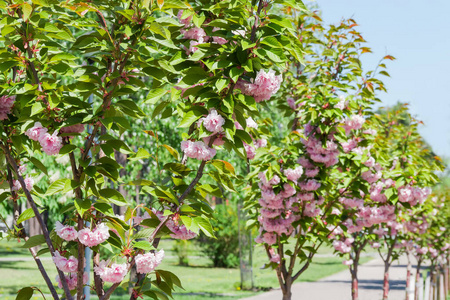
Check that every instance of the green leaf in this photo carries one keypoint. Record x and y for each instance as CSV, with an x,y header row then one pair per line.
x,y
113,196
34,241
170,277
67,149
172,151
144,245
25,293
205,226
164,193
221,83
57,186
141,154
223,166
27,214
82,205
37,163
177,168
154,95
190,117
27,9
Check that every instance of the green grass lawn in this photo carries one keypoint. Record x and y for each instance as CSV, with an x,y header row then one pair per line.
x,y
199,279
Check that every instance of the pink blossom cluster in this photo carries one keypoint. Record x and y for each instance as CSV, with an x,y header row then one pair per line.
x,y
71,280
93,238
351,202
413,195
315,150
417,227
274,256
310,169
29,182
263,87
371,177
146,263
68,265
260,143
342,104
293,174
251,123
179,231
77,128
66,232
196,34
310,185
349,145
292,105
355,122
197,150
343,246
277,211
50,143
213,122
250,150
114,273
218,141
6,103
369,216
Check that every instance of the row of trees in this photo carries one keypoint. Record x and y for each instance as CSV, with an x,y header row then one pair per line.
x,y
153,108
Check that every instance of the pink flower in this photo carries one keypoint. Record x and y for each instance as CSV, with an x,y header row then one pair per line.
x,y
348,262
197,150
65,264
219,40
310,185
251,151
274,257
293,174
312,172
353,123
29,182
146,263
186,21
349,145
36,131
67,233
114,274
251,123
6,103
195,34
342,104
261,143
218,141
179,231
93,238
77,128
263,87
71,280
213,122
51,144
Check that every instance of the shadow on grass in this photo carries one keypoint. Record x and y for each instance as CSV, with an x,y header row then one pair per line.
x,y
13,265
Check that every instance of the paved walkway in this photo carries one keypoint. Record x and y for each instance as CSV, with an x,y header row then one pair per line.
x,y
338,286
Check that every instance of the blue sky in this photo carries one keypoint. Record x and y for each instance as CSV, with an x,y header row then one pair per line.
x,y
417,33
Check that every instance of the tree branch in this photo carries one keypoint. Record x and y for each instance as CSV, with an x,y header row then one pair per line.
x,y
13,164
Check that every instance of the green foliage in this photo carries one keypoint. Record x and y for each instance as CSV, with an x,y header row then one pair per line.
x,y
224,249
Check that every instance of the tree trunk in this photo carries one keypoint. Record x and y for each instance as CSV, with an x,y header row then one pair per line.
x,y
287,292
386,281
354,286
408,276
416,292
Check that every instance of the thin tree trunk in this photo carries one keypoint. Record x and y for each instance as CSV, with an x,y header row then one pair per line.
x,y
287,291
386,281
408,276
354,285
416,292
